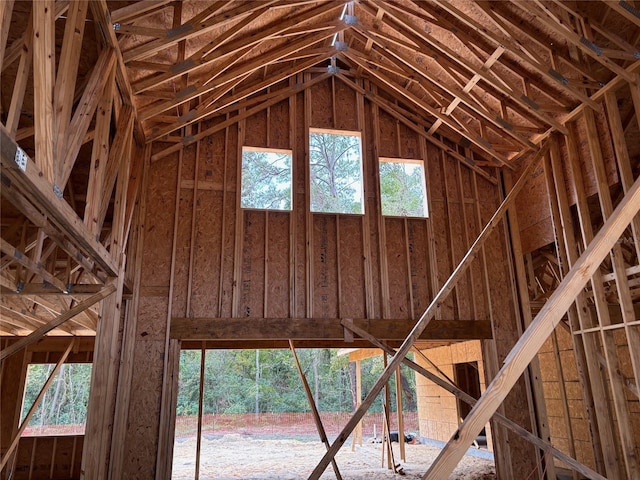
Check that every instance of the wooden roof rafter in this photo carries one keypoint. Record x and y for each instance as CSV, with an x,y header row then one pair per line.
x,y
467,42
218,101
135,11
198,59
199,25
412,121
282,95
526,32
477,140
250,65
456,96
513,48
447,56
547,17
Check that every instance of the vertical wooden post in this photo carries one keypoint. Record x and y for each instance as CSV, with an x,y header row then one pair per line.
x,y
585,347
623,416
359,394
203,353
67,74
533,375
125,374
314,408
386,403
44,57
6,9
165,444
626,177
22,75
400,414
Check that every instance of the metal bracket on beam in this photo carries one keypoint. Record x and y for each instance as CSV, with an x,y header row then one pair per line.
x,y
558,76
591,46
21,159
57,191
630,8
341,46
350,19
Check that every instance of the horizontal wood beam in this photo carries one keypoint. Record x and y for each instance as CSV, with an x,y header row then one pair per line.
x,y
57,344
29,180
283,344
41,289
327,329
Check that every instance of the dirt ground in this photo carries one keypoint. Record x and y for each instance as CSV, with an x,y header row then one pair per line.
x,y
243,457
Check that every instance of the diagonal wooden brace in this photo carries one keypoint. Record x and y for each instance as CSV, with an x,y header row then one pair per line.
x,y
428,314
536,334
450,387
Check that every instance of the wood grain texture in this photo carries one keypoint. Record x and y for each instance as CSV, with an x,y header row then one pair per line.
x,y
535,335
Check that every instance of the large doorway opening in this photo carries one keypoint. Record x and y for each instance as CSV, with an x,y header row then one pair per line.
x,y
468,379
245,414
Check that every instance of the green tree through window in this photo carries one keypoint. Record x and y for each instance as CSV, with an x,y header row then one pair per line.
x,y
266,179
65,401
402,188
336,172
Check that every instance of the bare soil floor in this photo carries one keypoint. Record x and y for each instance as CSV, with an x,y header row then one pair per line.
x,y
244,457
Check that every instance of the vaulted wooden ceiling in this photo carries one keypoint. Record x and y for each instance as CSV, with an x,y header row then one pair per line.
x,y
494,77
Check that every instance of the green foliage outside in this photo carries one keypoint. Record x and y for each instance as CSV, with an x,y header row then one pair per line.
x,y
230,384
266,180
336,173
65,401
402,189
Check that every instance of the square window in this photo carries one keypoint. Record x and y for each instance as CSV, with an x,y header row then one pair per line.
x,y
335,172
402,188
266,178
63,408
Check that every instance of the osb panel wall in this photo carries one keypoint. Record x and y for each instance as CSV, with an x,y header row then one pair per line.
x,y
438,409
534,213
206,257
254,263
563,397
146,385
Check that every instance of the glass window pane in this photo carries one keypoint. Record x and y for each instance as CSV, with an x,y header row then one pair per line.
x,y
402,188
266,179
336,172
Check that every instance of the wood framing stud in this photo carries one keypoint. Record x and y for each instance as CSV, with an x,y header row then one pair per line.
x,y
428,315
536,334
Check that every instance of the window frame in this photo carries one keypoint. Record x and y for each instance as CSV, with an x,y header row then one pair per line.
x,y
349,133
267,150
425,198
24,410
